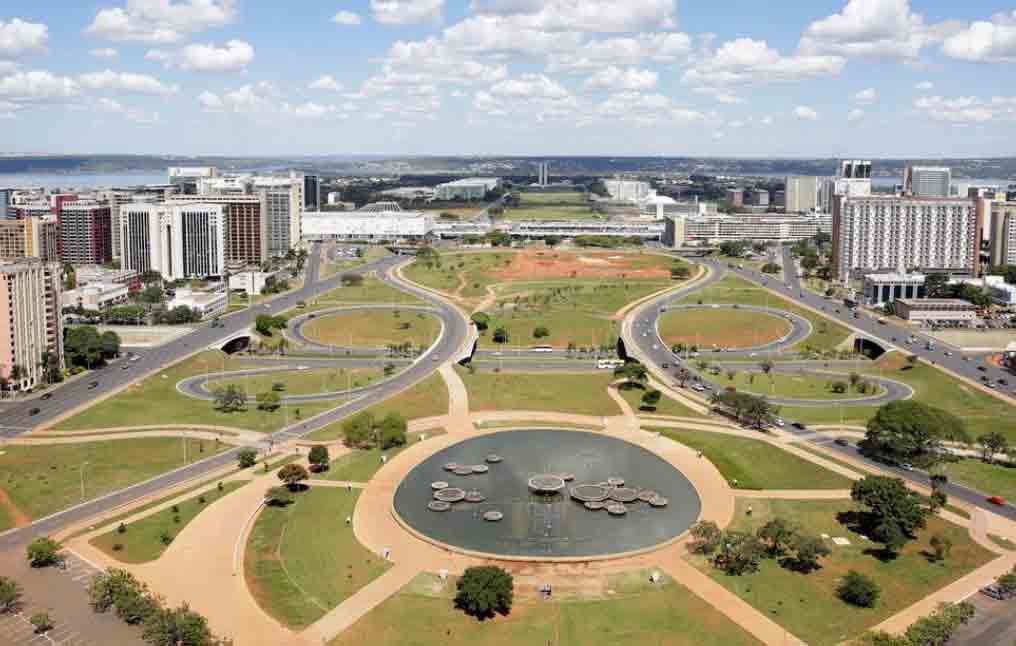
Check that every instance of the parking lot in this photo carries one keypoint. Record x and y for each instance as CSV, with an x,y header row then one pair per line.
x,y
994,623
17,630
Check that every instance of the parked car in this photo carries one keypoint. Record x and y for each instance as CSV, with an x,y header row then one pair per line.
x,y
996,591
997,500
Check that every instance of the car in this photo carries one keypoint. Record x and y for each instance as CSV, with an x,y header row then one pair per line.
x,y
996,591
1003,382
34,411
906,466
780,422
94,384
799,426
997,500
984,378
125,366
46,396
947,353
664,365
982,369
966,358
842,441
991,386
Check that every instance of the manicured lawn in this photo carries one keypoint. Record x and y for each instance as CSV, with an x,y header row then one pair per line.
x,y
361,465
582,394
371,290
304,382
537,424
553,212
807,605
303,560
429,398
156,400
721,328
667,406
755,464
991,479
43,479
142,540
787,384
826,335
374,329
471,271
667,614
544,199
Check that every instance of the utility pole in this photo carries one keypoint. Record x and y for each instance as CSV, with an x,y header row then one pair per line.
x,y
81,472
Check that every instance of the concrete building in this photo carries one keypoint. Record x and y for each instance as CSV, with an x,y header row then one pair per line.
x,y
379,221
180,241
757,197
936,311
30,323
927,181
762,228
86,236
88,274
876,233
470,189
801,194
311,194
283,214
116,199
251,282
674,234
96,296
854,180
31,237
5,204
203,302
886,288
246,227
627,190
735,197
1003,294
187,177
533,229
410,193
1002,240
543,170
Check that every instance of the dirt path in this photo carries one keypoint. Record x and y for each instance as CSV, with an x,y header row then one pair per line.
x,y
20,518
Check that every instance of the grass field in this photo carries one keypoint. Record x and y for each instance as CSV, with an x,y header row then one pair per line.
x,y
553,212
472,272
826,335
637,614
791,385
303,560
553,199
142,541
581,394
361,465
374,329
991,479
156,400
371,291
429,398
43,479
807,605
721,328
304,382
667,406
754,464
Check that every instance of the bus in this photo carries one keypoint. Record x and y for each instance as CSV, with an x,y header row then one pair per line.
x,y
609,364
542,348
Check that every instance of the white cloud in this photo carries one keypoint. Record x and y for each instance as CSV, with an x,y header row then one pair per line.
x,y
132,114
964,109
855,115
127,83
866,96
105,52
7,67
235,56
326,82
530,86
161,21
309,110
593,16
249,98
499,34
672,47
806,113
347,18
406,12
210,101
615,78
429,62
873,28
648,109
924,86
38,87
159,56
985,41
745,62
20,38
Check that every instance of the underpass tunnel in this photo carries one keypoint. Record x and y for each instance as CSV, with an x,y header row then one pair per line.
x,y
868,347
236,345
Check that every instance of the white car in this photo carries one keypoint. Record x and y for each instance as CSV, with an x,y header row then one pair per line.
x,y
780,422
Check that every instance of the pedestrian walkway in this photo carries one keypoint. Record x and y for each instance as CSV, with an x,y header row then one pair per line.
x,y
366,599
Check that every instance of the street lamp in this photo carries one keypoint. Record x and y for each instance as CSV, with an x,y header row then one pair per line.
x,y
81,472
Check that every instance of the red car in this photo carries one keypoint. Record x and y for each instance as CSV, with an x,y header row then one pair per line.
x,y
997,500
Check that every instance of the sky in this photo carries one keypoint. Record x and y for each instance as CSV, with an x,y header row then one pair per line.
x,y
792,78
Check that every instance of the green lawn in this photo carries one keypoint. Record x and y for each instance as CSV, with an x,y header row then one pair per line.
x,y
303,560
429,398
721,328
156,401
637,614
581,394
991,479
787,384
755,464
574,198
304,382
553,212
826,334
370,291
142,540
807,605
44,479
472,271
374,329
667,406
361,465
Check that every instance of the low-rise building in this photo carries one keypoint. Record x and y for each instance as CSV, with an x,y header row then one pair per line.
x,y
383,221
205,303
936,311
766,228
575,228
473,188
88,274
627,190
1003,294
96,296
886,288
251,282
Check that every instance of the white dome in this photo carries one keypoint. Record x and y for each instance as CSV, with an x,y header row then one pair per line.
x,y
659,199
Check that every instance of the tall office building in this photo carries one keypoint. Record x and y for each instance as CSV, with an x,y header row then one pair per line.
x,y
282,208
31,237
85,233
5,204
1003,233
311,193
30,322
927,181
801,194
246,227
854,179
876,233
180,241
544,174
735,197
116,199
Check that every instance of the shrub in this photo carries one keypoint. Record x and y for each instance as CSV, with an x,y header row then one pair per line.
x,y
706,535
318,457
293,475
859,590
43,552
10,594
278,496
485,590
246,458
41,622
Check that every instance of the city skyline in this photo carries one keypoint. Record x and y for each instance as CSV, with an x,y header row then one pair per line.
x,y
429,77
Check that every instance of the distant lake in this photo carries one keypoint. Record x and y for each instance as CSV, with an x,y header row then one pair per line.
x,y
80,180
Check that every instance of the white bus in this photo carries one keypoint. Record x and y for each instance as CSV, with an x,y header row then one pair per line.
x,y
541,348
609,364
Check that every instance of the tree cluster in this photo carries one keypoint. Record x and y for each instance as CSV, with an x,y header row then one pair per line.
x,y
365,431
739,553
229,399
484,591
892,512
179,315
750,410
85,348
934,630
266,324
910,431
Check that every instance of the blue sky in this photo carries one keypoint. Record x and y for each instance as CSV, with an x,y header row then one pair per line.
x,y
599,77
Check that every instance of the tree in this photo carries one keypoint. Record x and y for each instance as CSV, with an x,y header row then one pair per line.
x,y
229,399
43,552
992,443
807,551
706,537
680,272
483,591
770,268
178,627
894,512
265,324
912,360
777,534
501,335
247,458
481,320
910,431
1007,582
766,366
938,499
278,496
540,332
392,431
318,457
120,590
839,387
734,248
351,280
358,430
293,475
83,346
651,398
941,546
551,241
633,372
683,375
10,595
268,400
934,630
858,590
739,553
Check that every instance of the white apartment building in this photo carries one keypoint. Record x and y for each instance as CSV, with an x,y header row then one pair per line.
x,y
180,241
724,228
889,233
472,188
927,181
627,190
801,194
1003,294
202,302
30,322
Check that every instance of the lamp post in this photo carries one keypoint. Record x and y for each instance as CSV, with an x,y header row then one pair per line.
x,y
81,472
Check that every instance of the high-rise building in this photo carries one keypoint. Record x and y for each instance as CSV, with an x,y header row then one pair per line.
x,y
854,179
1003,233
85,233
311,193
877,233
5,204
246,227
801,194
927,181
116,199
30,322
757,197
180,241
544,174
281,209
31,237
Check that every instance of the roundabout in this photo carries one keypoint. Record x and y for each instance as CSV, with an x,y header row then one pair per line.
x,y
782,329
650,502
